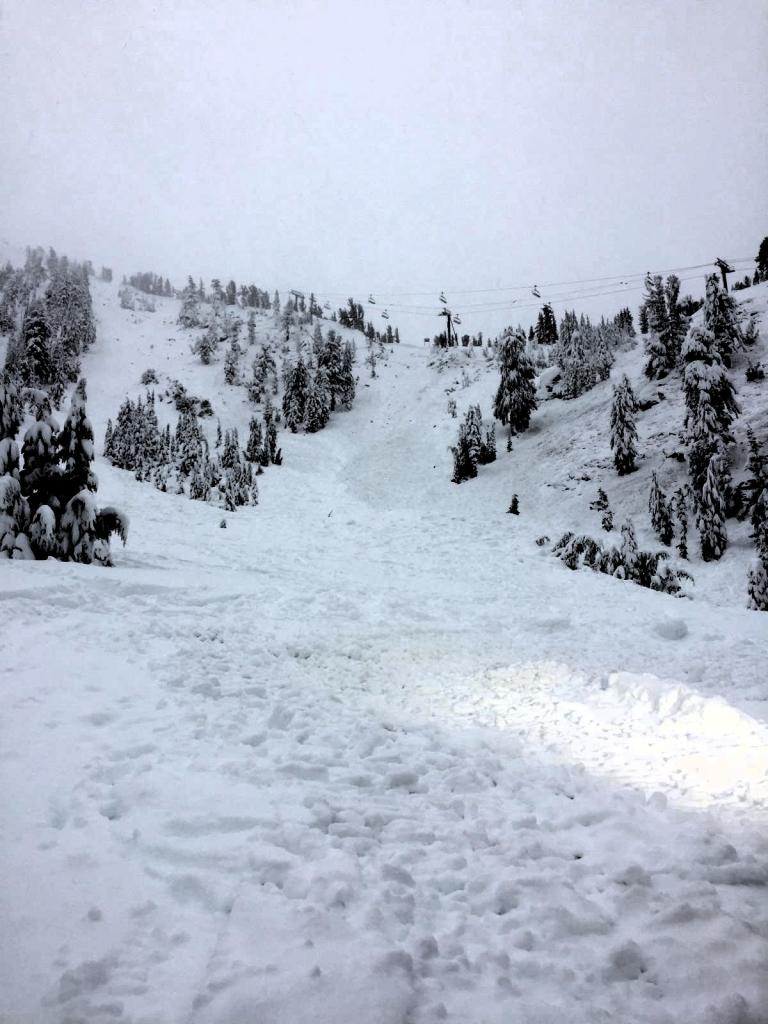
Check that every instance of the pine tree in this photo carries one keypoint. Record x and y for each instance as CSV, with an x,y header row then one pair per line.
x,y
642,319
601,504
463,466
36,365
681,515
629,566
515,398
254,447
661,515
206,345
546,326
514,506
473,426
84,530
761,260
488,449
721,319
76,447
295,397
757,585
189,314
623,429
14,511
710,512
318,402
710,402
41,476
232,363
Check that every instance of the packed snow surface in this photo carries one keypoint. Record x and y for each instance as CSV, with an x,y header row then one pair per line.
x,y
369,755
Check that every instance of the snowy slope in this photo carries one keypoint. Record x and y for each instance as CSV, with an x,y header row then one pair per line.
x,y
369,754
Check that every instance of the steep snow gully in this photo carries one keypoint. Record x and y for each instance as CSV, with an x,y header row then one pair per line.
x,y
368,756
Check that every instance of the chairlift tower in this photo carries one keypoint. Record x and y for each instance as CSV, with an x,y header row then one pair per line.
x,y
725,268
449,328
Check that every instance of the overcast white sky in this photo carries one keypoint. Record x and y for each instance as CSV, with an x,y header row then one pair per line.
x,y
366,146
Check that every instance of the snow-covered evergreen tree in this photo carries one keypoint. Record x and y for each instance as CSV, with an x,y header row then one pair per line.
x,y
189,314
515,398
318,408
710,401
76,447
681,515
254,447
41,477
623,428
602,505
577,372
629,552
721,319
295,396
710,510
661,514
464,468
232,363
757,585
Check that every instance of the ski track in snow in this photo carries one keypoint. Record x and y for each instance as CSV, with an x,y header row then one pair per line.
x,y
389,765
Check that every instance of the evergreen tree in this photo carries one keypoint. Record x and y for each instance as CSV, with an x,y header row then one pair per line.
x,y
721,319
515,398
189,314
36,364
473,425
318,403
463,466
661,514
576,370
762,261
710,402
601,504
546,326
710,511
295,397
642,319
41,476
757,585
14,511
629,568
681,514
84,530
755,489
254,448
623,429
488,450
514,506
76,447
206,345
232,363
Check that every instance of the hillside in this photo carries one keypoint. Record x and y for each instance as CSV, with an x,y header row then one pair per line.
x,y
371,754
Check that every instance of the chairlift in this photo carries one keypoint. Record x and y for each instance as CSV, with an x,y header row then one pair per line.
x,y
372,300
443,298
385,315
457,319
326,305
535,291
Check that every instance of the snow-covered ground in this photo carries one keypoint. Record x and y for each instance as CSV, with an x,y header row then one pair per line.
x,y
369,755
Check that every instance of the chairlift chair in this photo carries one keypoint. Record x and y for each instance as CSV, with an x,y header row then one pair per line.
x,y
385,315
443,298
535,291
372,300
